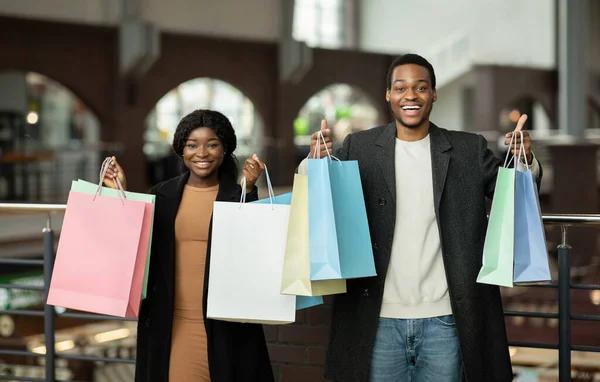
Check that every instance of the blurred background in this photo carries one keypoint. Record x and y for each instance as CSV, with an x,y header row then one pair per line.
x,y
84,79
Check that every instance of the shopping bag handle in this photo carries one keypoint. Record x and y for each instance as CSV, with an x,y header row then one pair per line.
x,y
317,154
103,170
269,186
521,151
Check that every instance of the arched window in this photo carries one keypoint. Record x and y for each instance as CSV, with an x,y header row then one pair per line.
x,y
48,137
346,108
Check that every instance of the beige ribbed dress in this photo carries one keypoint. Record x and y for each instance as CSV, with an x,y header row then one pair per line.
x,y
189,362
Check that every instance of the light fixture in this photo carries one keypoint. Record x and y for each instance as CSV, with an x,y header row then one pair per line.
x,y
32,118
595,297
112,335
59,346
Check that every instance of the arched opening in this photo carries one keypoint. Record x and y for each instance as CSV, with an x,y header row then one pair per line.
x,y
346,108
48,137
199,93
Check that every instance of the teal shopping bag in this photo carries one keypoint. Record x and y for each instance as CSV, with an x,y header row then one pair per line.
x,y
351,224
340,240
91,188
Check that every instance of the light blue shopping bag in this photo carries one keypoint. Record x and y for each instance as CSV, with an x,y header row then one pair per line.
x,y
323,243
340,241
531,256
302,302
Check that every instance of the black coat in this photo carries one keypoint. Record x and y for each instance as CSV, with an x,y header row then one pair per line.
x,y
464,174
236,352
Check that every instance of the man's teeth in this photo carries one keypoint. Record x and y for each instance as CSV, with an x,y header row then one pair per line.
x,y
411,107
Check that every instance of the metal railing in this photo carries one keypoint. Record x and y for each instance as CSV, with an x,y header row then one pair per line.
x,y
49,312
563,285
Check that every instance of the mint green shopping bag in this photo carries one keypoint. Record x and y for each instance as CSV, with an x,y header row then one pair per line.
x,y
91,188
498,249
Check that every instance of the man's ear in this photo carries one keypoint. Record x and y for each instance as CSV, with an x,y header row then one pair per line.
x,y
387,95
434,95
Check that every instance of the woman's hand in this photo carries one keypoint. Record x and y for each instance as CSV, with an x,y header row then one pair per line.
x,y
252,170
112,172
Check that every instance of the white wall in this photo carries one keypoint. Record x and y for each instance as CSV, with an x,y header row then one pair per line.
x,y
448,109
244,19
507,32
79,11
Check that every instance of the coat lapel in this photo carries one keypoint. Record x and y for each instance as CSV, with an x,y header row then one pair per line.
x,y
440,160
385,154
229,191
170,201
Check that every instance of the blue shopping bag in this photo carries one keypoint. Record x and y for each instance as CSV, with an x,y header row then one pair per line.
x,y
340,241
302,302
323,242
531,256
352,226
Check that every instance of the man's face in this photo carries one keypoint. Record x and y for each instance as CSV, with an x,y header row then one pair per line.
x,y
411,96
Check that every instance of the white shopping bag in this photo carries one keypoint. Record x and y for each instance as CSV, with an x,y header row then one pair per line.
x,y
246,263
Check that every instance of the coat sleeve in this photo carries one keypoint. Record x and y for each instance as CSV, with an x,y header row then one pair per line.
x,y
488,166
251,196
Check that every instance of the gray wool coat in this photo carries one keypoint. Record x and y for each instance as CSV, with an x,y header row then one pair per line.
x,y
464,174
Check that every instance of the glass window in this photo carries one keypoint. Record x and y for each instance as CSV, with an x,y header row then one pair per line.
x,y
319,23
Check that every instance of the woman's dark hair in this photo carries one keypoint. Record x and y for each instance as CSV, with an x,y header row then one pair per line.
x,y
222,128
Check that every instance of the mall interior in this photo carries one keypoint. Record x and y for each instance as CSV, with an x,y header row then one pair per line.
x,y
81,80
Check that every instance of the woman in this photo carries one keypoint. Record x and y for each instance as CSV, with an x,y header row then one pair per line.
x,y
176,342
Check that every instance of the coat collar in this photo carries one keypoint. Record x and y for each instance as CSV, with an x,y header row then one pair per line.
x,y
440,159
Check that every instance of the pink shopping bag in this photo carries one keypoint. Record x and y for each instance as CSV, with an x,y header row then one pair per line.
x,y
101,255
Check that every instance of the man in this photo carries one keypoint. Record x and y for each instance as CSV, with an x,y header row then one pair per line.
x,y
423,318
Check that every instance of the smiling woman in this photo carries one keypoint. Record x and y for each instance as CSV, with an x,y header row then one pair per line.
x,y
187,346
199,93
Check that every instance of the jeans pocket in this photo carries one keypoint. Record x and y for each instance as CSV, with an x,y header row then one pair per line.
x,y
445,320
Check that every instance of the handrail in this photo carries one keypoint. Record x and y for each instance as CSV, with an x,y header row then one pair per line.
x,y
552,219
32,207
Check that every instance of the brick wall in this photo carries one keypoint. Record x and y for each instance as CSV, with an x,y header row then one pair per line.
x,y
298,350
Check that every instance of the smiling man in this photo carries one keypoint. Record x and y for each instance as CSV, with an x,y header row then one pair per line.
x,y
423,318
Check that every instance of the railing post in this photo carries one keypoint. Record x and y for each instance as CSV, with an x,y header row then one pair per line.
x,y
564,308
49,314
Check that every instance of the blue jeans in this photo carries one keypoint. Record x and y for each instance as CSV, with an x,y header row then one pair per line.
x,y
416,350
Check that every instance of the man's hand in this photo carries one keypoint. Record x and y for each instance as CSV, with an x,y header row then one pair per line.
x,y
517,141
316,140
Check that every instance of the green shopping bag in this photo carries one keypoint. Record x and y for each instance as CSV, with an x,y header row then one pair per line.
x,y
498,249
499,245
91,188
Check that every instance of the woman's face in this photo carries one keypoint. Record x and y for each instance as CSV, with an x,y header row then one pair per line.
x,y
203,153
